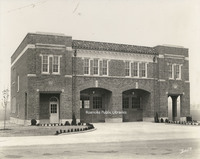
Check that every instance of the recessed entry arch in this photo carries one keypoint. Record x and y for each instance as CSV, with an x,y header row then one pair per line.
x,y
92,102
135,102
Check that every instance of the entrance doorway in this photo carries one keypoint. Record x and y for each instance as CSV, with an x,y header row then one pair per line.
x,y
93,102
174,106
54,109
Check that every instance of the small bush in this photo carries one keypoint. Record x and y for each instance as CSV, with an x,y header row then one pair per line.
x,y
73,119
161,120
33,122
166,120
67,123
79,123
57,133
156,120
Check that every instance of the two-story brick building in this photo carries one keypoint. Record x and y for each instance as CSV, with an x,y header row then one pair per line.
x,y
54,76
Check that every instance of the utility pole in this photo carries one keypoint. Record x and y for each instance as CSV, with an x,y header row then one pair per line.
x,y
74,87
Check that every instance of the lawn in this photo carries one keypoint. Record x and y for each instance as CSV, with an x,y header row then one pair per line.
x,y
20,130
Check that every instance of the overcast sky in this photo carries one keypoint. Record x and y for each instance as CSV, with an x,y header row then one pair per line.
x,y
137,22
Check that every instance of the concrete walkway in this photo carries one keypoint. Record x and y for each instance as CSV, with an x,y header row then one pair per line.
x,y
112,132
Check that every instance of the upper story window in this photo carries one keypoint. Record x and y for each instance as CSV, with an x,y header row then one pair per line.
x,y
56,65
86,66
127,68
174,71
171,72
105,67
135,69
45,64
178,71
96,67
144,69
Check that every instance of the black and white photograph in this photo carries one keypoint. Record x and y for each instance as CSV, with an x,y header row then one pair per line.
x,y
99,79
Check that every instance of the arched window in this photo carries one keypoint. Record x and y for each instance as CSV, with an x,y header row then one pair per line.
x,y
53,99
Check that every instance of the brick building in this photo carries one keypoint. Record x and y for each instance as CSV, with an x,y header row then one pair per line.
x,y
54,76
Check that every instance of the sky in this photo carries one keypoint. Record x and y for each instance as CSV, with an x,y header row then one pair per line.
x,y
136,22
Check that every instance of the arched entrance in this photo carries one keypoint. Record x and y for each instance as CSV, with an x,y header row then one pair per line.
x,y
93,102
134,101
174,106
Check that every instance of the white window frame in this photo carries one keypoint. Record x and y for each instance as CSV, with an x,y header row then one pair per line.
x,y
88,66
137,69
128,68
106,67
179,67
145,64
58,64
48,57
98,67
172,68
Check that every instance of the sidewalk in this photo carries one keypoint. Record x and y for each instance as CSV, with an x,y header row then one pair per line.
x,y
112,132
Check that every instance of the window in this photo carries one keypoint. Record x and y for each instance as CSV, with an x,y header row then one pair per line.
x,y
45,64
97,102
127,68
171,71
17,83
86,66
135,102
96,67
178,71
105,67
143,69
125,102
53,108
56,63
135,69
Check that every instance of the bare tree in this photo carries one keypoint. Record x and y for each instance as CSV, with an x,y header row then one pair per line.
x,y
5,103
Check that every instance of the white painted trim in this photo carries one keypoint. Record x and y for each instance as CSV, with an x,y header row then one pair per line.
x,y
187,58
175,56
161,56
161,80
69,48
52,45
70,76
31,75
29,46
123,77
111,55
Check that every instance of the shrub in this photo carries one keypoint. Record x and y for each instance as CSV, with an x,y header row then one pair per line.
x,y
67,123
57,133
161,120
73,119
166,120
79,123
33,122
156,120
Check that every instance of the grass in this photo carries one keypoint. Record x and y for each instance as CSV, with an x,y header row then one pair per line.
x,y
20,130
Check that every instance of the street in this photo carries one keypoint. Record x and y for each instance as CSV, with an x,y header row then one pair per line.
x,y
122,140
